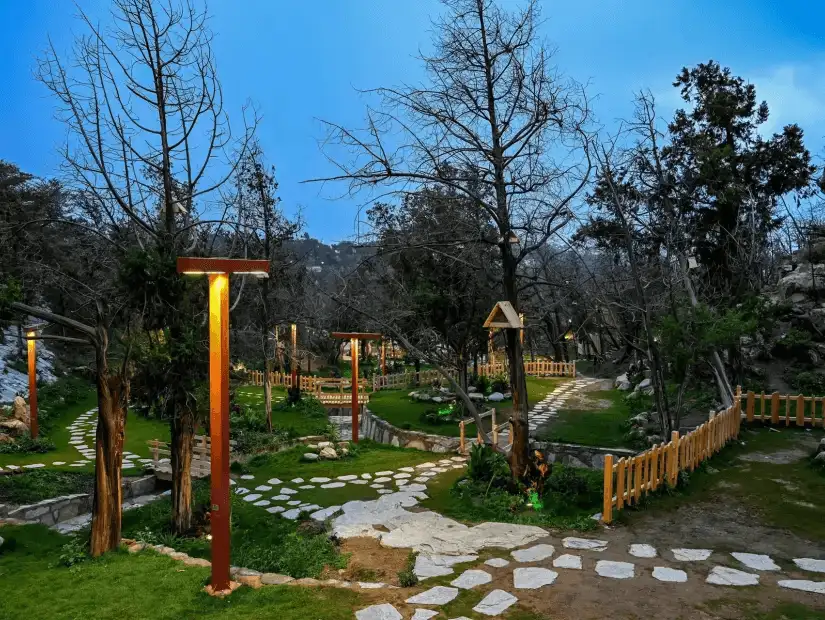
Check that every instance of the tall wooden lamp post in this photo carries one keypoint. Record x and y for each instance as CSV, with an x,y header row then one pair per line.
x,y
31,344
354,338
292,365
218,270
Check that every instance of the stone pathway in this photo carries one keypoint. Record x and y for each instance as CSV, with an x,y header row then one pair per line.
x,y
79,522
754,570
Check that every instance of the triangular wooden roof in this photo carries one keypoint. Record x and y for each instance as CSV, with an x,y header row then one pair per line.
x,y
503,316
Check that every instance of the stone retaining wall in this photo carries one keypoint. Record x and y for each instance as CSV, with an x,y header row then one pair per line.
x,y
58,509
377,429
576,455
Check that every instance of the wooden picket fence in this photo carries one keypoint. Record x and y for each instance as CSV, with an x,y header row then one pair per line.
x,y
403,379
201,456
629,478
798,410
309,383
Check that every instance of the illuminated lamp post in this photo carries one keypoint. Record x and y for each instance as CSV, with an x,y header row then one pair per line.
x,y
354,338
293,364
31,342
218,270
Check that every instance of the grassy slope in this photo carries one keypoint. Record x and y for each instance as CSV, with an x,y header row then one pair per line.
x,y
399,410
602,427
142,586
796,503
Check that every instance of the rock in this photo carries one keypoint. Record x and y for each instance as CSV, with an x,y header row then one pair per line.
x,y
642,551
670,575
724,576
821,446
328,453
801,280
615,570
5,438
471,389
568,561
756,561
378,612
312,446
274,579
14,427
476,396
471,578
817,587
645,384
533,577
533,554
571,542
496,397
624,386
427,566
810,564
497,562
438,399
20,410
325,444
495,603
820,458
439,595
344,451
691,555
639,420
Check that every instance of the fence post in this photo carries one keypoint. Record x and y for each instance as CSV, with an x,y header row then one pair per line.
x,y
607,510
673,458
775,408
800,411
495,430
461,437
510,434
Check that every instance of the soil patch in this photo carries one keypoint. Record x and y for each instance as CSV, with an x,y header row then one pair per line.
x,y
369,561
780,457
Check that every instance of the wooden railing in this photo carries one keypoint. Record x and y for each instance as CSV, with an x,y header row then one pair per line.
x,y
628,479
309,383
542,368
201,455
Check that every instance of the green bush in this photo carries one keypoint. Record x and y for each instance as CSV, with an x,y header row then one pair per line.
x,y
75,551
34,486
808,382
26,445
567,489
499,382
298,556
486,464
407,577
481,383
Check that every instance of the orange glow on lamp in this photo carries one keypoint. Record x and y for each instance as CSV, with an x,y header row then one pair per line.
x,y
218,270
32,343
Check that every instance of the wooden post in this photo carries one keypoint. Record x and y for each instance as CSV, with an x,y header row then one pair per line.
x,y
510,434
800,411
750,406
292,366
521,331
620,476
383,358
775,408
673,460
34,428
219,427
607,509
491,355
461,445
354,355
495,430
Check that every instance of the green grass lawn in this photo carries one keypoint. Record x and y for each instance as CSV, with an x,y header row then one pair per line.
x,y
597,427
283,416
139,430
148,586
401,411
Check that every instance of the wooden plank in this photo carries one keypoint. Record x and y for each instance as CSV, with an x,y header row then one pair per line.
x,y
607,509
637,479
750,406
654,476
800,411
620,474
628,484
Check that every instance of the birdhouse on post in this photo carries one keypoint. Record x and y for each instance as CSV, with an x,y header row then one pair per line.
x,y
503,316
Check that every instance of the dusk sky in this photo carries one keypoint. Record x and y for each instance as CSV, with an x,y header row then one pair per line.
x,y
300,61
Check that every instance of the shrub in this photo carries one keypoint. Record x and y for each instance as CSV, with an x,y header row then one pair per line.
x,y
481,382
74,552
486,464
297,556
407,577
569,488
25,444
807,382
499,383
34,486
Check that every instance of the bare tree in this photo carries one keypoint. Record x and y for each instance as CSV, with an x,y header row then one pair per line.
x,y
149,139
494,122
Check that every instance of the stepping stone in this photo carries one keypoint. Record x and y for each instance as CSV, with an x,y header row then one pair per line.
x,y
274,481
294,502
691,555
533,577
460,467
77,442
423,614
724,576
401,476
756,561
366,476
34,466
445,462
262,502
614,570
308,507
439,595
421,479
815,566
59,463
72,465
347,477
439,470
471,578
497,562
407,469
275,509
320,479
379,480
288,491
458,459
247,477
425,465
371,585
385,491
817,587
568,561
376,486
263,487
241,490
533,554
383,473
670,575
359,482
427,566
495,603
291,514
333,485
401,482
571,542
384,611
642,551
325,513
280,498
306,487
252,497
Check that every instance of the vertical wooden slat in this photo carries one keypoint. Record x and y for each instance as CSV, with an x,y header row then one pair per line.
x,y
461,437
654,476
775,408
787,411
800,411
620,474
750,406
673,458
637,479
628,485
607,509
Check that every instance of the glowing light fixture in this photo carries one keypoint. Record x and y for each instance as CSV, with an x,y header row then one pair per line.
x,y
34,428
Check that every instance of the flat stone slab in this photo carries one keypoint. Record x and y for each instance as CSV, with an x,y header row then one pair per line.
x,y
533,554
274,481
402,476
642,551
568,561
724,576
294,502
379,612
291,514
347,477
571,542
471,578
371,585
366,476
263,487
425,466
423,614
495,603
670,575
247,477
376,486
809,564
381,480
439,595
533,577
497,562
325,513
288,491
297,480
319,479
280,498
306,487
756,561
275,509
817,587
383,473
359,482
427,566
251,497
691,555
615,570
333,485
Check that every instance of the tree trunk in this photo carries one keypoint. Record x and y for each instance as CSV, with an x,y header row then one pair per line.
x,y
268,392
417,372
112,394
183,434
519,455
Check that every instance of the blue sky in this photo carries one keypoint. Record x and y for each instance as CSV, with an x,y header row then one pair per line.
x,y
300,60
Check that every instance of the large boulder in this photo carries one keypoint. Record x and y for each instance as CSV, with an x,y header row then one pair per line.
x,y
20,410
13,427
310,456
5,438
471,389
821,448
328,453
476,396
496,397
804,279
623,383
